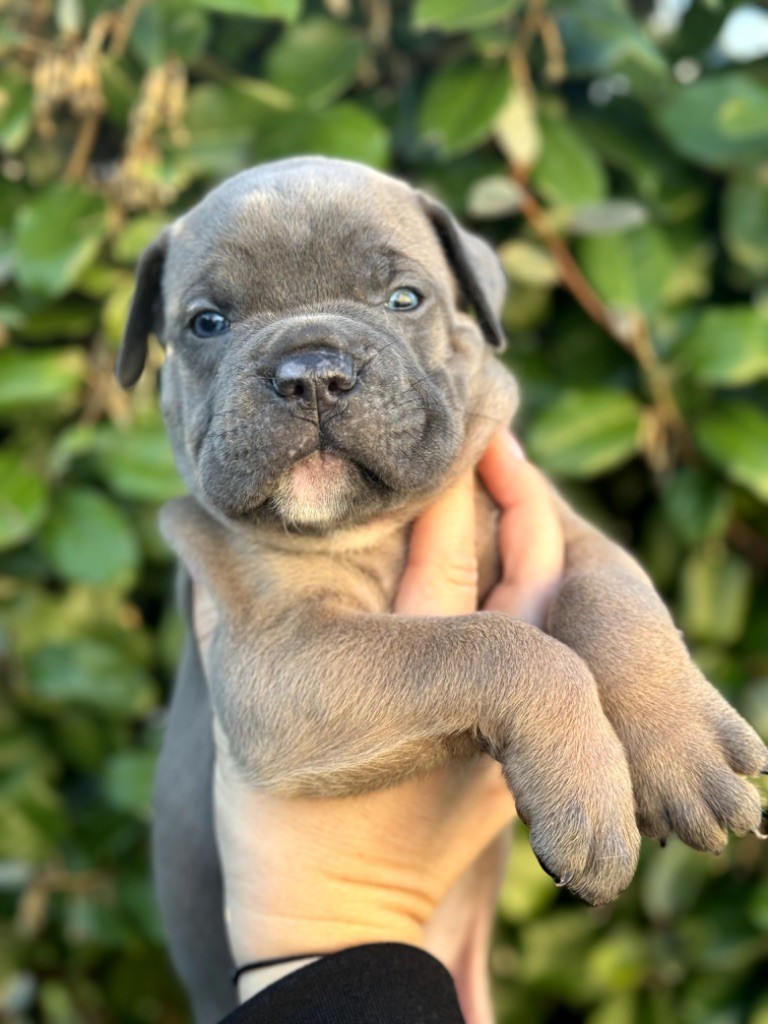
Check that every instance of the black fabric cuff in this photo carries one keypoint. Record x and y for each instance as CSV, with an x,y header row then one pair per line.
x,y
383,983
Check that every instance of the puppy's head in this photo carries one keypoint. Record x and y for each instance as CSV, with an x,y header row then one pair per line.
x,y
322,367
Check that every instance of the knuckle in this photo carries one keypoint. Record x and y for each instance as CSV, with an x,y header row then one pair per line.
x,y
460,572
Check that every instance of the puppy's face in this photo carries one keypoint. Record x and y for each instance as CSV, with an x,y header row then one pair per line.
x,y
320,367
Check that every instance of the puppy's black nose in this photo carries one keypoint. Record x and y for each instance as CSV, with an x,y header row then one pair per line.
x,y
315,378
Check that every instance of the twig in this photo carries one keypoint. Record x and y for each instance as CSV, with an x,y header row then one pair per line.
x,y
80,157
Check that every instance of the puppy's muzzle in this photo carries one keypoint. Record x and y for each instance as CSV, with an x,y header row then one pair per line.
x,y
315,379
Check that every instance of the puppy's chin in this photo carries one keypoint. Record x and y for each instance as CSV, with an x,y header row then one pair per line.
x,y
315,492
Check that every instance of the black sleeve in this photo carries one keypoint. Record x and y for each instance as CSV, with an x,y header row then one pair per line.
x,y
385,983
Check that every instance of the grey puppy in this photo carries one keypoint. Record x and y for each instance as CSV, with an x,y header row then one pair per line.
x,y
324,381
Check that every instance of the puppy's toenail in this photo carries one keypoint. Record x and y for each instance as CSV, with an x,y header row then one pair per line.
x,y
759,834
663,842
569,878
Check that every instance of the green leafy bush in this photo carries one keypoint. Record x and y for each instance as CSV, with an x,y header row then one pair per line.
x,y
620,162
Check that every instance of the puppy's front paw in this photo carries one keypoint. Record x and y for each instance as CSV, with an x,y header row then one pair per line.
x,y
686,747
687,771
576,797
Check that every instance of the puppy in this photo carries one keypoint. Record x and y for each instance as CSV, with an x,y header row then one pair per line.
x,y
330,338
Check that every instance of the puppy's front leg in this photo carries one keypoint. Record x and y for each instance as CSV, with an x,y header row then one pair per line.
x,y
332,700
686,746
335,702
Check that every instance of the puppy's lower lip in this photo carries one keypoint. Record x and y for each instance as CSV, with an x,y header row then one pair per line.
x,y
319,471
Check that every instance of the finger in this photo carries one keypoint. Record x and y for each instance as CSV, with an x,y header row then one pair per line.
x,y
440,577
530,537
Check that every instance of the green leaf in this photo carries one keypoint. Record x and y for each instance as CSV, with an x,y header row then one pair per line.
x,y
169,28
625,139
690,273
716,588
668,888
494,196
281,10
88,539
617,963
745,115
315,61
344,130
72,317
527,889
516,130
755,701
735,438
137,234
614,1010
115,310
91,673
586,433
46,381
33,817
607,217
546,952
138,463
569,172
719,122
745,223
697,504
222,123
457,15
629,271
460,104
23,500
16,100
528,263
526,306
81,739
57,235
728,346
128,780
602,37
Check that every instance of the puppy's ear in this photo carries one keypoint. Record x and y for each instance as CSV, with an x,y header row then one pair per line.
x,y
144,314
477,269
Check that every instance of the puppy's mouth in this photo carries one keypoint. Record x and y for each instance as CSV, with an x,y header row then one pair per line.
x,y
319,489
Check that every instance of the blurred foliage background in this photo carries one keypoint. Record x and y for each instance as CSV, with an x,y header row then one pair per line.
x,y
618,155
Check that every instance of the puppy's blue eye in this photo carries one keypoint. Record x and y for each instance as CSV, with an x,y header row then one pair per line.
x,y
208,324
403,299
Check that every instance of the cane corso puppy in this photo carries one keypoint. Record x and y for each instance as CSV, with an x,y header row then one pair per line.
x,y
331,338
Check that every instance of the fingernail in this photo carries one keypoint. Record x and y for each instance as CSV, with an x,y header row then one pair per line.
x,y
513,445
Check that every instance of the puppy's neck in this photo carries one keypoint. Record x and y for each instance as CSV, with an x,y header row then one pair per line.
x,y
375,551
344,542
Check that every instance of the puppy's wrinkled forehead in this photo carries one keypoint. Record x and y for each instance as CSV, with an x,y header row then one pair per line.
x,y
304,235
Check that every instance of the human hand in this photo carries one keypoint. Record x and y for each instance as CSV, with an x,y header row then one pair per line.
x,y
318,875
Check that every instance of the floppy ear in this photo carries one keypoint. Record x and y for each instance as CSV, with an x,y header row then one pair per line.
x,y
477,269
144,314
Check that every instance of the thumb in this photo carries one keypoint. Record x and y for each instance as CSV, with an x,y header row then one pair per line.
x,y
441,575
